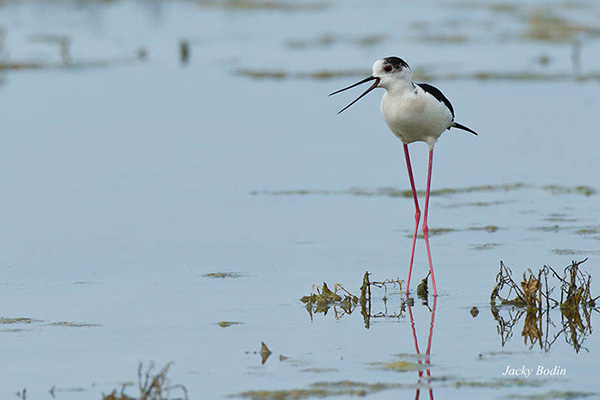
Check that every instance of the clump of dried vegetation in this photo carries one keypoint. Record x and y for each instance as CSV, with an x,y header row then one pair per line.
x,y
322,299
342,302
536,296
152,386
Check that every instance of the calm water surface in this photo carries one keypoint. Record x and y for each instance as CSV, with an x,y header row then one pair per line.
x,y
126,179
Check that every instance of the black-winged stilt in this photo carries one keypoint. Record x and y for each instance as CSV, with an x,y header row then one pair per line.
x,y
414,112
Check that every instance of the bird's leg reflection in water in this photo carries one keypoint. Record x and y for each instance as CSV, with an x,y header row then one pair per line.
x,y
426,358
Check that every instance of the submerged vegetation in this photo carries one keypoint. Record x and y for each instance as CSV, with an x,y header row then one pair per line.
x,y
556,395
362,389
322,74
329,39
223,275
399,366
274,5
544,25
391,192
321,390
74,324
19,320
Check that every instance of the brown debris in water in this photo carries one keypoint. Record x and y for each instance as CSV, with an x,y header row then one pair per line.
x,y
264,352
151,386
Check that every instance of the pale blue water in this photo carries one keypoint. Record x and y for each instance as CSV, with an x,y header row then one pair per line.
x,y
123,185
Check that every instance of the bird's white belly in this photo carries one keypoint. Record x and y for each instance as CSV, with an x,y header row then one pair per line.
x,y
414,117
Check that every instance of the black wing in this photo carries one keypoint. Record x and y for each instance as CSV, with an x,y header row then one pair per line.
x,y
437,93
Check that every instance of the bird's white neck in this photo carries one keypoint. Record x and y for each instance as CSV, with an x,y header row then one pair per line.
x,y
398,86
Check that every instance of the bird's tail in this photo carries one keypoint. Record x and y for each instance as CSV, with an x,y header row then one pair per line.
x,y
464,128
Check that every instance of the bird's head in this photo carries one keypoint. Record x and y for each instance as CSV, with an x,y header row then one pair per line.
x,y
386,72
390,70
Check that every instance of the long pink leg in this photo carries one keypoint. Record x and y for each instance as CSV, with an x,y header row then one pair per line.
x,y
417,214
425,227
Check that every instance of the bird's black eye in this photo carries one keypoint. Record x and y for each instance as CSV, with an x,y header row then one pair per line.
x,y
387,68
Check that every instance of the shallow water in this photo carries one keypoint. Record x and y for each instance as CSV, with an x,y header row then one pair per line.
x,y
126,180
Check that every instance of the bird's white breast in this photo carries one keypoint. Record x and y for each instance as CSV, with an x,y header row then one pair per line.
x,y
415,115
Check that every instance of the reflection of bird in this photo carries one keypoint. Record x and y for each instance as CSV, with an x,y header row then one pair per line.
x,y
414,112
426,359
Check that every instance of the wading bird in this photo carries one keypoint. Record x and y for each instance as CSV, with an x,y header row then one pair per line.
x,y
414,112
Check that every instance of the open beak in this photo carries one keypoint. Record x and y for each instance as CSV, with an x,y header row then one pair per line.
x,y
373,86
